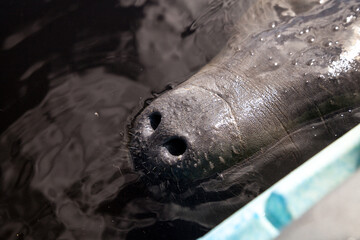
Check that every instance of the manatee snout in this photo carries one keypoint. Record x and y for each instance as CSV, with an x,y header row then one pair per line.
x,y
184,135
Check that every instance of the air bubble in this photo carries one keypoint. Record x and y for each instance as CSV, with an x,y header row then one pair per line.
x,y
262,39
301,32
270,58
335,28
342,115
278,35
252,53
350,111
276,64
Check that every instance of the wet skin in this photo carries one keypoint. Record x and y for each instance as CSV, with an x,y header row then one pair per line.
x,y
253,96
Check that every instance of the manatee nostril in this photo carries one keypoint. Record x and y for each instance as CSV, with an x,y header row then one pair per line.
x,y
155,119
176,146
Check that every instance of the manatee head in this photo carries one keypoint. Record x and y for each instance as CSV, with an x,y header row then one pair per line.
x,y
252,97
185,135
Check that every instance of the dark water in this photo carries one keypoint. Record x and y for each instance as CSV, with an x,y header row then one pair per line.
x,y
73,74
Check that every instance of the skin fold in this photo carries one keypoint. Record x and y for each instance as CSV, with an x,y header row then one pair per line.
x,y
256,101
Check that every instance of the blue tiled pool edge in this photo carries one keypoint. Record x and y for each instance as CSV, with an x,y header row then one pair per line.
x,y
288,199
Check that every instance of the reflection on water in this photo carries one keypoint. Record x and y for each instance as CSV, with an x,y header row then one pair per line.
x,y
73,75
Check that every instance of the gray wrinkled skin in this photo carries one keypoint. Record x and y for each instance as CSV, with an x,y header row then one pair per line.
x,y
301,68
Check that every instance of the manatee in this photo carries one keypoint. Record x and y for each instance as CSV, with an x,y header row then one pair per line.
x,y
253,101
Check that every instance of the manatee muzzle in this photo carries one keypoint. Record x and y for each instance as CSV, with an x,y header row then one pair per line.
x,y
184,135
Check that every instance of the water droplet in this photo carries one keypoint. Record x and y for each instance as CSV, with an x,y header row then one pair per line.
x,y
350,111
195,164
341,115
311,62
273,24
335,135
307,30
310,39
356,9
350,18
328,43
220,176
301,32
295,63
96,114
262,39
321,76
290,53
270,58
252,53
276,64
315,135
313,127
337,42
278,35
335,28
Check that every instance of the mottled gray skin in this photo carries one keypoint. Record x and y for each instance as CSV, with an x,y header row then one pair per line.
x,y
255,94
